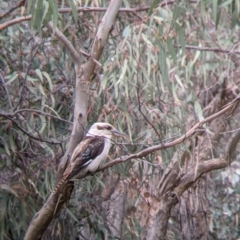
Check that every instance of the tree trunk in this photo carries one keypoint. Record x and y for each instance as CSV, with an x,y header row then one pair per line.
x,y
193,211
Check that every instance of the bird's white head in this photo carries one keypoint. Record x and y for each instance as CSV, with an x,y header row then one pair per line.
x,y
104,130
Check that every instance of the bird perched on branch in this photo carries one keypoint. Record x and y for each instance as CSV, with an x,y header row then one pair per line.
x,y
90,153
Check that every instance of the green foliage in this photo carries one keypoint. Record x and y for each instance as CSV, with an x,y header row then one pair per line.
x,y
36,88
150,83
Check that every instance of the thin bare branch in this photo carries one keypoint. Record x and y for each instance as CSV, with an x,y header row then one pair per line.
x,y
88,9
29,134
67,10
89,56
3,114
67,44
2,81
30,62
179,140
14,21
19,4
103,9
210,49
144,116
232,145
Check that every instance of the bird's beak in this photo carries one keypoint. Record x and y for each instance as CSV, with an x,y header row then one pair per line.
x,y
117,133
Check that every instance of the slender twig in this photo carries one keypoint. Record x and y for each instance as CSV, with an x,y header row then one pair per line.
x,y
30,135
6,90
89,56
25,79
67,44
19,4
210,49
103,9
35,111
140,110
89,9
14,21
67,10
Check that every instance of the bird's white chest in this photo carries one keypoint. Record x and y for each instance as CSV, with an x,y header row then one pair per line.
x,y
100,159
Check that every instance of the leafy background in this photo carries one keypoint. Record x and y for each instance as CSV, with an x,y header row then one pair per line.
x,y
155,73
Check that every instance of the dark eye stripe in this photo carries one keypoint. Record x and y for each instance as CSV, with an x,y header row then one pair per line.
x,y
104,127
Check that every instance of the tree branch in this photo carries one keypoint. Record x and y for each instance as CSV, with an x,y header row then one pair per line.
x,y
30,62
231,146
2,81
67,10
29,134
194,174
179,140
170,198
66,43
19,4
210,49
14,21
102,9
10,115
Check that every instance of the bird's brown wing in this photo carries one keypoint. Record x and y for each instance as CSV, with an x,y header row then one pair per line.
x,y
85,152
83,155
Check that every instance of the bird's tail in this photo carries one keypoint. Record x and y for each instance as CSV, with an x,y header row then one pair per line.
x,y
60,184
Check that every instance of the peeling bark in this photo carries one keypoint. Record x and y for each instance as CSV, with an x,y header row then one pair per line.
x,y
193,208
158,228
117,209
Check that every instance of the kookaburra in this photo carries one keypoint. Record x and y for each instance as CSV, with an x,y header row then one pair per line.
x,y
90,153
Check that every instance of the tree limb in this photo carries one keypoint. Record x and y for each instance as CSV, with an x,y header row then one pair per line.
x,y
10,115
14,21
179,140
2,81
67,10
194,174
19,4
66,43
210,49
231,146
29,134
170,198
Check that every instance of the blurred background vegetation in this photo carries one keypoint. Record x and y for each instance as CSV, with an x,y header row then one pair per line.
x,y
161,67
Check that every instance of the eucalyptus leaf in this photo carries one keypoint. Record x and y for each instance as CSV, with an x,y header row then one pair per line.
x,y
74,10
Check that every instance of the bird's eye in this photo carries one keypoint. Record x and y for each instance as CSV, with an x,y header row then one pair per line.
x,y
109,128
